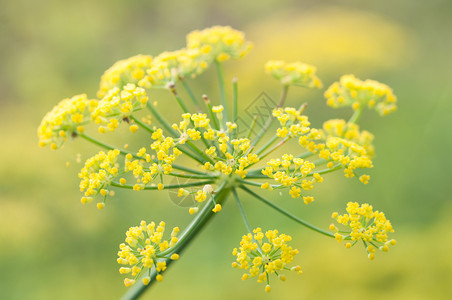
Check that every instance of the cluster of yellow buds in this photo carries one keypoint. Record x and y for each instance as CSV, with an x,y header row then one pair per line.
x,y
145,250
117,106
351,91
97,175
130,70
199,121
296,73
169,66
294,124
65,120
350,131
219,42
292,172
261,258
145,174
364,224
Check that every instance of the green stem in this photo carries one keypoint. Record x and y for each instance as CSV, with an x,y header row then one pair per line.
x,y
256,175
274,147
123,152
162,120
242,212
142,125
202,154
286,213
185,238
190,94
270,119
356,115
222,90
250,130
103,145
187,169
194,176
178,99
268,144
213,117
165,187
235,104
200,160
306,155
253,183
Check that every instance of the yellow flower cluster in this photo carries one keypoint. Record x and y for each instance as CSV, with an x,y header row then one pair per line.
x,y
97,175
230,156
294,124
261,258
366,225
350,132
130,70
351,91
345,145
199,121
339,143
166,154
145,249
169,66
118,105
235,161
296,73
65,120
219,42
162,71
290,172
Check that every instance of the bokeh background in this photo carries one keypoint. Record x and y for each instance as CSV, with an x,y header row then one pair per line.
x,y
52,247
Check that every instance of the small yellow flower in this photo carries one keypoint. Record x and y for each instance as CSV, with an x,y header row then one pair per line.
x,y
142,251
296,73
117,105
65,120
351,91
260,259
370,227
98,173
131,70
219,42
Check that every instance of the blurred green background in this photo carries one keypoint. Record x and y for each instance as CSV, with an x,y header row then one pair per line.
x,y
52,247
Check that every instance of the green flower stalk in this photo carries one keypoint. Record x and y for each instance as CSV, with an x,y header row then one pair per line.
x,y
223,161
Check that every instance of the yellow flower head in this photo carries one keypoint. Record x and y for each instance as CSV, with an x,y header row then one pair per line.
x,y
97,174
118,105
145,249
370,227
296,73
350,132
65,120
219,42
351,91
260,256
169,66
130,70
